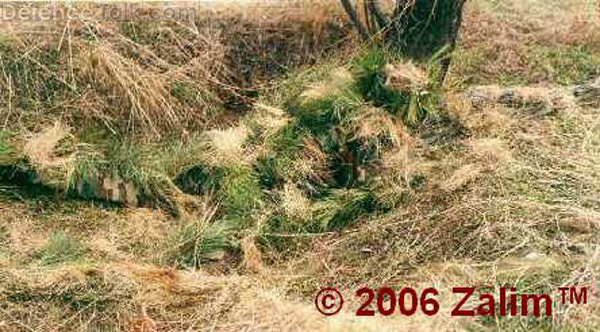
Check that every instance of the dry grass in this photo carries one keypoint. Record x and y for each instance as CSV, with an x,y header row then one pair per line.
x,y
532,42
41,147
405,77
151,78
333,85
512,199
520,191
227,145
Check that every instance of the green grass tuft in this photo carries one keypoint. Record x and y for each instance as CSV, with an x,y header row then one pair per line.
x,y
568,65
284,148
240,191
320,116
60,248
287,91
8,154
198,243
370,79
413,106
342,208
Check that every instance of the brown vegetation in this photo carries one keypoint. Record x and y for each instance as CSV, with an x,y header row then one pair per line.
x,y
501,187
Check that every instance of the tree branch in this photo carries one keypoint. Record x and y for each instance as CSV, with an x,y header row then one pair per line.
x,y
370,25
382,19
353,15
445,65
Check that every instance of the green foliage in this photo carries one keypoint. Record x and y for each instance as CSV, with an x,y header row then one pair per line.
x,y
568,64
284,147
240,191
200,180
60,248
84,180
370,79
318,150
413,106
8,155
199,242
267,169
320,116
127,161
288,140
150,167
342,207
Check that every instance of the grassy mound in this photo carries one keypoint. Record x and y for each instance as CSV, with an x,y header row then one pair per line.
x,y
309,160
359,170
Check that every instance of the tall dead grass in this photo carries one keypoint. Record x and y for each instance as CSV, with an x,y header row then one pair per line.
x,y
156,77
513,199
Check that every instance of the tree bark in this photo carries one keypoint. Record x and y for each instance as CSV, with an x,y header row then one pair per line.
x,y
416,29
423,28
353,15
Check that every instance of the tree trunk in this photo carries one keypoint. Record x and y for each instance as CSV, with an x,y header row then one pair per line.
x,y
421,28
416,29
